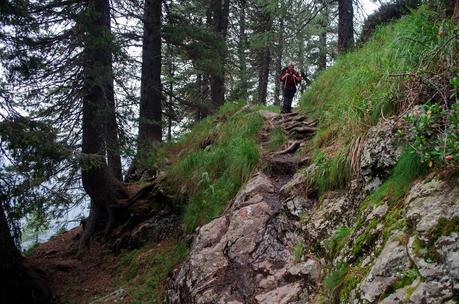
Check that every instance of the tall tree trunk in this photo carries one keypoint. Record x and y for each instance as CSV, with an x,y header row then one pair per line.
x,y
456,12
219,10
199,97
263,54
242,45
20,285
301,61
278,62
111,126
98,181
322,60
150,129
345,25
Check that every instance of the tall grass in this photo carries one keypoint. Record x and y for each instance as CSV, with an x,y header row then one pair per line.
x,y
350,96
210,176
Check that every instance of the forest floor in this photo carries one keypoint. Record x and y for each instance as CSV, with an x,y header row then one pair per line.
x,y
73,277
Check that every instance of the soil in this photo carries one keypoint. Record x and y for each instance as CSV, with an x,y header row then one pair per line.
x,y
75,277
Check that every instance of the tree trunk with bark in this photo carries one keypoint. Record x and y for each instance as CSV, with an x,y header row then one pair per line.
x,y
278,62
345,25
104,189
242,45
456,12
20,285
111,127
150,118
263,53
219,12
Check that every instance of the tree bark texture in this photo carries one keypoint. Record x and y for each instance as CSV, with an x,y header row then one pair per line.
x,y
108,116
278,61
345,25
242,45
219,11
20,285
100,184
150,127
263,54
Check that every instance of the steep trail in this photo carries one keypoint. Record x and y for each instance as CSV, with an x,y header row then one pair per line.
x,y
247,255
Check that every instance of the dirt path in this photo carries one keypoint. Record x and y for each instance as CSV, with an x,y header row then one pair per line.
x,y
75,278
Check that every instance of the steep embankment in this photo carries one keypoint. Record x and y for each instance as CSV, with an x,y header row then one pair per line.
x,y
372,217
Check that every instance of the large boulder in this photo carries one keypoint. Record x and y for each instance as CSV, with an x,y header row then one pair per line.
x,y
380,153
246,255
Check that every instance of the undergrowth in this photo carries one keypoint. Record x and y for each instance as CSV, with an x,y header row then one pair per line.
x,y
145,270
406,171
215,159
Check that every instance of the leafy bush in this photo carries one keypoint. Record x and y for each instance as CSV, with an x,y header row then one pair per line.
x,y
435,134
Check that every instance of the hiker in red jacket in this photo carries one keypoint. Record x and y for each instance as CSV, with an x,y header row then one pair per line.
x,y
289,78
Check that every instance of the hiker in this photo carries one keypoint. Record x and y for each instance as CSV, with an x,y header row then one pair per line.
x,y
289,78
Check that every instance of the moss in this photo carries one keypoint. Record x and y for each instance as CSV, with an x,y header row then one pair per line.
x,y
365,239
353,277
335,243
393,220
427,249
407,278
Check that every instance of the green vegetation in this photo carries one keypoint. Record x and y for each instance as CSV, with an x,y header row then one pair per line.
x,y
353,93
298,251
435,133
335,243
336,277
407,278
145,270
216,158
427,250
406,171
365,239
276,139
332,172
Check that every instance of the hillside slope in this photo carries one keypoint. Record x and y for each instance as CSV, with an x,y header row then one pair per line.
x,y
353,199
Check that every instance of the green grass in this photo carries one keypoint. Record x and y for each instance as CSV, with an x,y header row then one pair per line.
x,y
298,251
209,177
336,277
406,171
332,172
351,95
276,139
335,243
144,271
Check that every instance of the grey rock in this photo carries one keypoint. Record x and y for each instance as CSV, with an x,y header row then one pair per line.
x,y
380,153
430,201
387,269
245,255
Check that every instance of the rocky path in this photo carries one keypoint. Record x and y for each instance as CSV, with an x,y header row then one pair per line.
x,y
252,253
